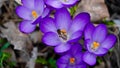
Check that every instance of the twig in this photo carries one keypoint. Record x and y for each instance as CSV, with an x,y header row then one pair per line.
x,y
117,56
46,48
31,63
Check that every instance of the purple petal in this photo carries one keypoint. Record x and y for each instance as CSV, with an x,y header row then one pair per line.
x,y
59,65
89,58
24,13
76,35
87,44
54,3
39,6
99,33
88,31
75,49
28,4
101,51
64,59
51,39
109,41
38,20
69,2
62,48
71,66
45,13
80,22
78,57
47,25
81,66
62,19
26,26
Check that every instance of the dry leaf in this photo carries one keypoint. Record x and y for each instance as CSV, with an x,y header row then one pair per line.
x,y
1,2
36,36
15,37
19,2
96,8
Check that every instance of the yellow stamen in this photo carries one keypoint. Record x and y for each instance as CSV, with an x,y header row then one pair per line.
x,y
95,45
34,14
72,60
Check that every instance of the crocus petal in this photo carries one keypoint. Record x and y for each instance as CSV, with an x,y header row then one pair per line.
x,y
45,13
64,59
51,39
78,57
81,66
24,13
101,51
89,58
62,19
75,49
26,27
61,65
28,4
39,6
99,33
68,2
109,41
62,48
75,35
88,43
71,66
54,3
88,31
80,22
38,20
47,25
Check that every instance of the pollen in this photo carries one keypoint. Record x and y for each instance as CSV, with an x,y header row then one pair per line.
x,y
95,45
72,60
64,31
34,14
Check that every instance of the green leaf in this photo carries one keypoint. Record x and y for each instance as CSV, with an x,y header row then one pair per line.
x,y
108,22
6,56
73,10
41,60
0,53
12,64
2,41
111,50
99,60
6,45
52,63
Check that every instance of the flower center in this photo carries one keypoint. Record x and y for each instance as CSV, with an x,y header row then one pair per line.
x,y
62,34
95,45
72,60
34,14
65,0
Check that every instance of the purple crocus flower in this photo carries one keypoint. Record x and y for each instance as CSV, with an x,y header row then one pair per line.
x,y
97,41
72,59
60,3
32,11
61,32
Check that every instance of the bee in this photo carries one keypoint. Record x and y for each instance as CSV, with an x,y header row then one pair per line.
x,y
62,34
